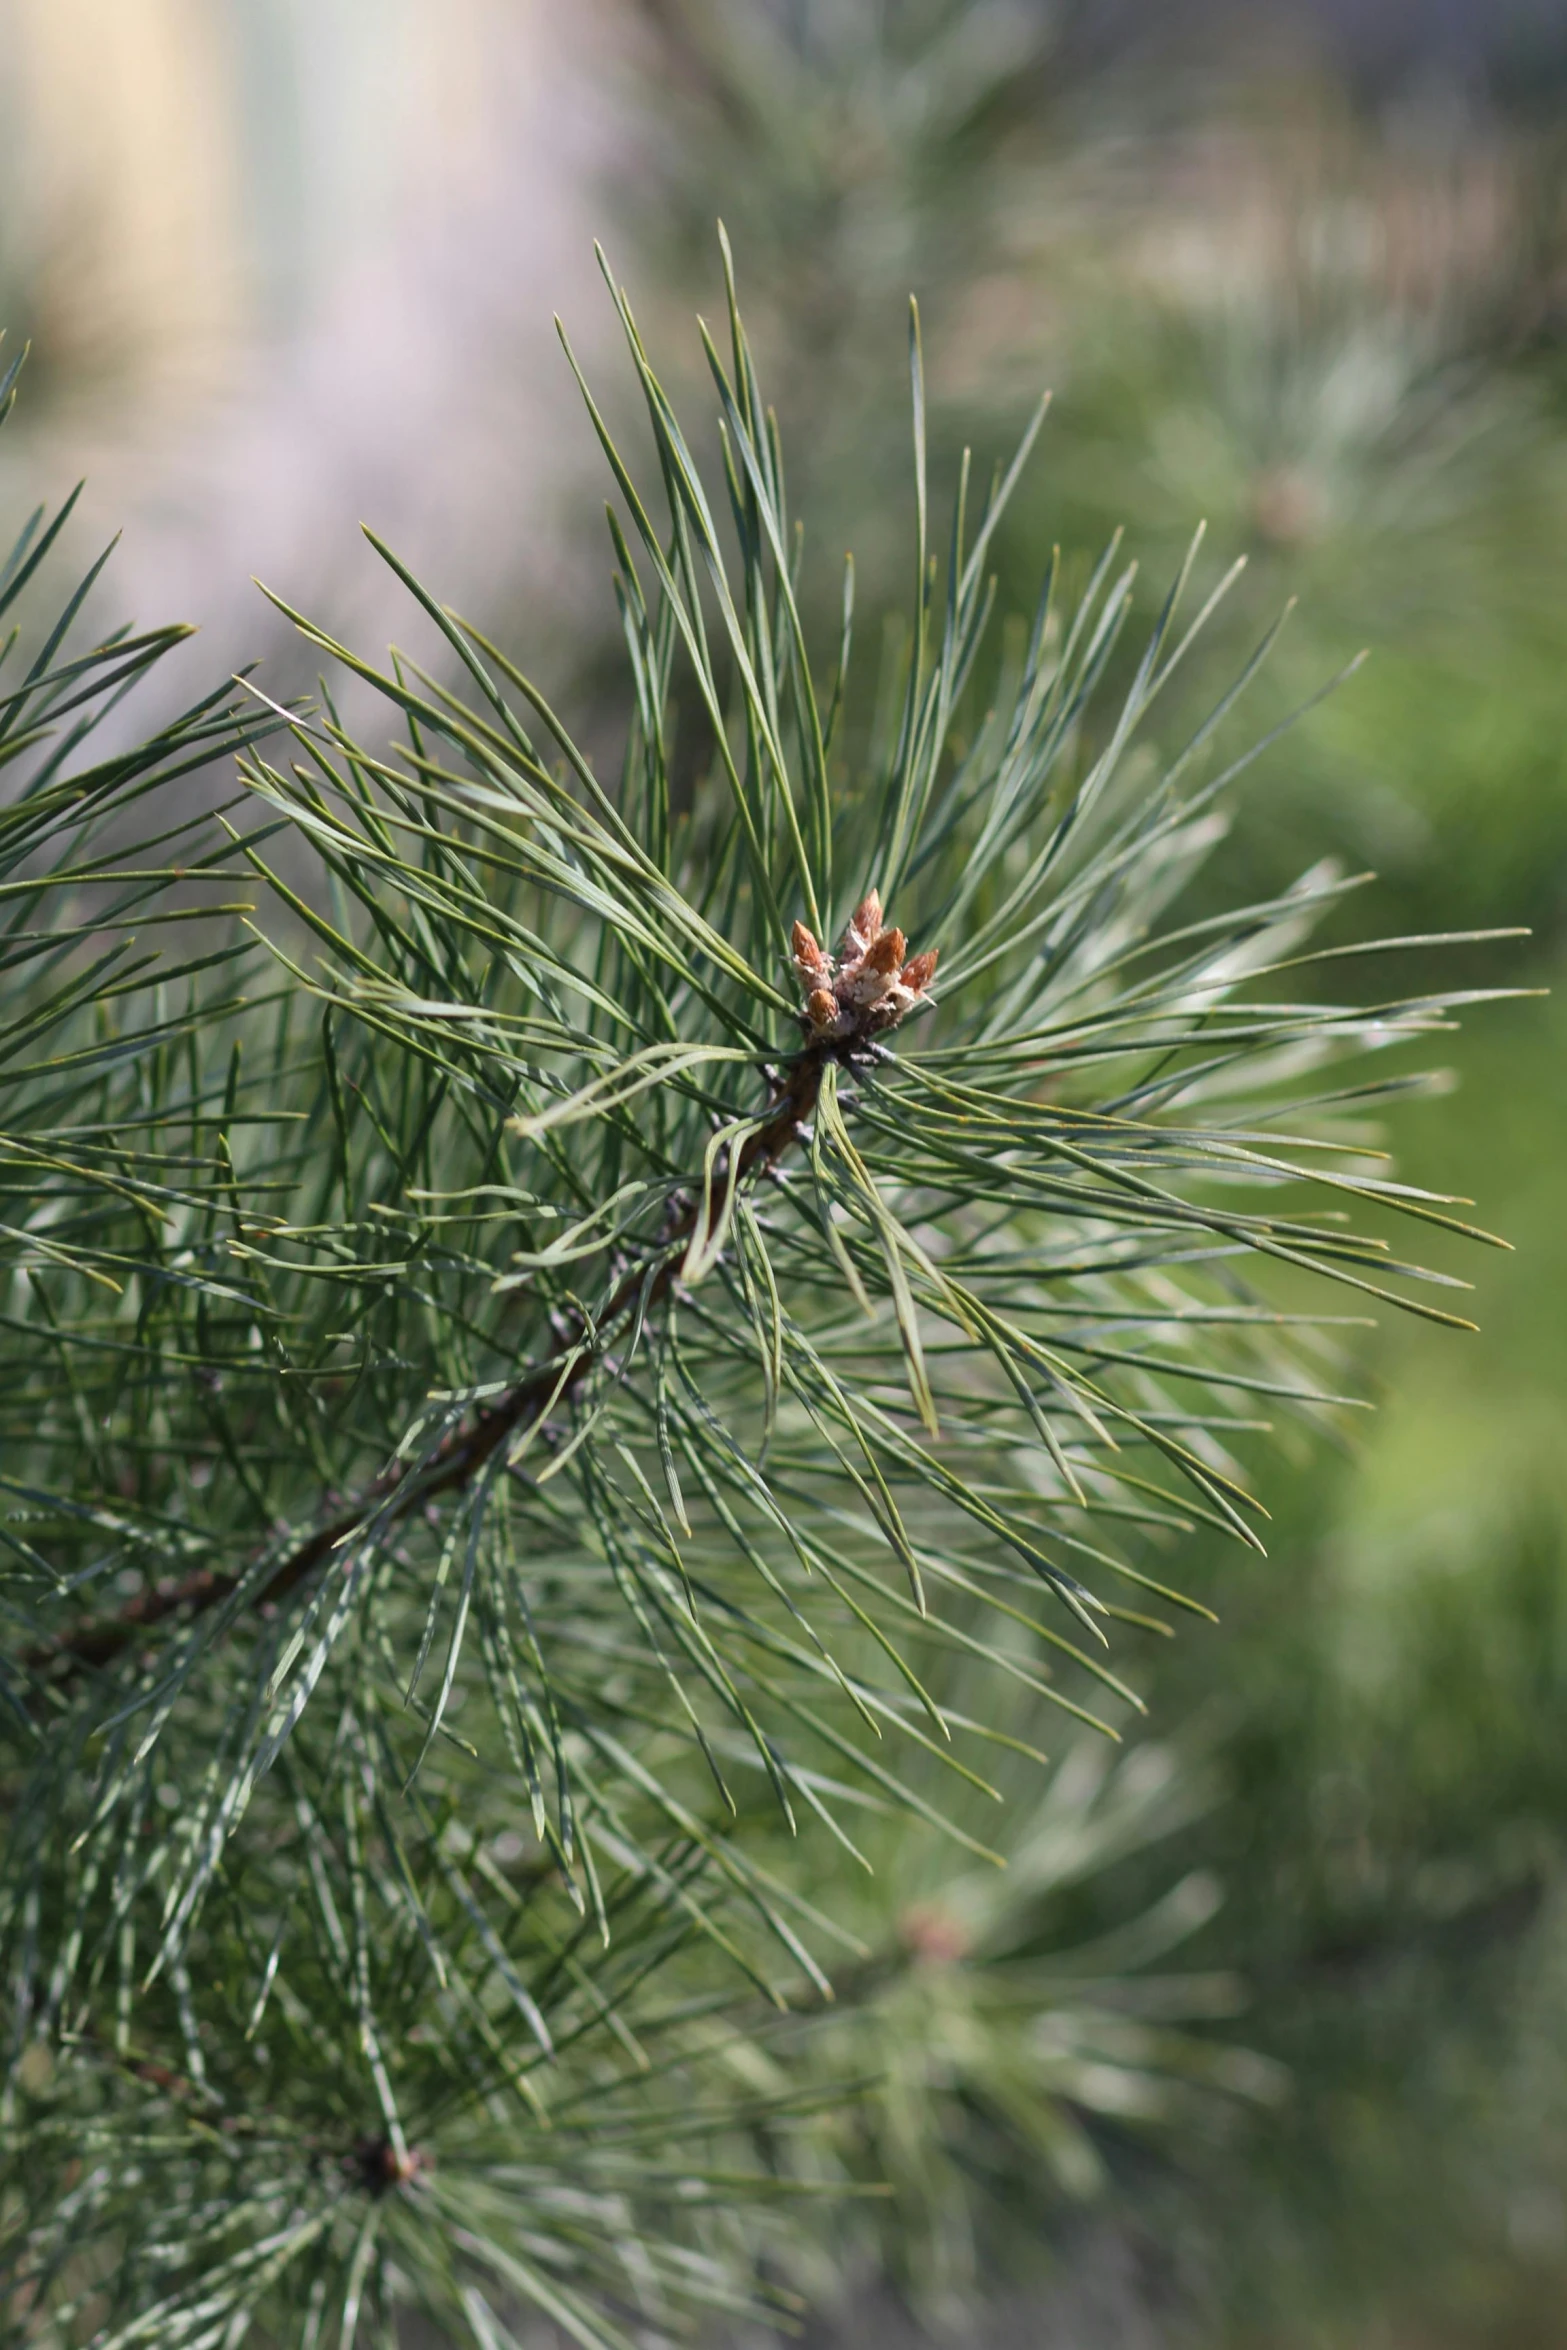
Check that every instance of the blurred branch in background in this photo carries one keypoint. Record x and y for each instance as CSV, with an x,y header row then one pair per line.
x,y
1301,271
1331,330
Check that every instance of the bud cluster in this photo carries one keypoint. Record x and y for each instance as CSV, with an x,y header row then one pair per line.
x,y
869,987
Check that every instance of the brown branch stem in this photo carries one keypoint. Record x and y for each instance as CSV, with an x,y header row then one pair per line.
x,y
96,1640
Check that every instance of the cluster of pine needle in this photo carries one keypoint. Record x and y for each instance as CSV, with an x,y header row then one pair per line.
x,y
590,1365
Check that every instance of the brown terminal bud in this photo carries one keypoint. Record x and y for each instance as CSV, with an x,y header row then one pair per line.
x,y
933,1936
875,976
809,960
866,918
876,972
869,988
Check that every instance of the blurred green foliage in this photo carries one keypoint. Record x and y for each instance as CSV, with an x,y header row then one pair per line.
x,y
1335,332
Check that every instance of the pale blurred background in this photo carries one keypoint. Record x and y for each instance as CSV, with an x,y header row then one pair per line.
x,y
1302,270
290,264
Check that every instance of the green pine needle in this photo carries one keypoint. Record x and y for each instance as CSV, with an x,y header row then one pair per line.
x,y
554,1358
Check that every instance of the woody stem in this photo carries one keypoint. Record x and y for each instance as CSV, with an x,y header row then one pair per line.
x,y
95,1640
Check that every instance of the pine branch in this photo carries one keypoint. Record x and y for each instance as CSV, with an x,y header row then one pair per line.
x,y
465,1450
878,1398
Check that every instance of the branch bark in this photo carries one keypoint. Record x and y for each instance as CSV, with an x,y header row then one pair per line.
x,y
94,1641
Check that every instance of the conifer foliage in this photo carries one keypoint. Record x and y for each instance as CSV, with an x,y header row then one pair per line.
x,y
559,1353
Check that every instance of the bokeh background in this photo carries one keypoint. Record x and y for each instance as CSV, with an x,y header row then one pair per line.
x,y
1300,270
